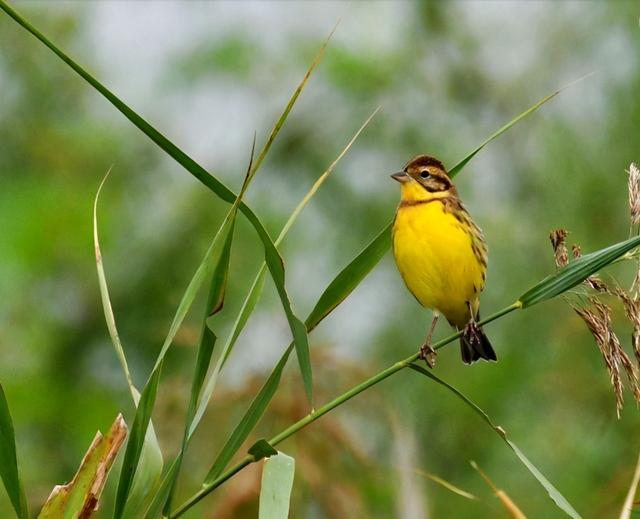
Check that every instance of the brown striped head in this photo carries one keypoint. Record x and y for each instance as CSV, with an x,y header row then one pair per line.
x,y
429,173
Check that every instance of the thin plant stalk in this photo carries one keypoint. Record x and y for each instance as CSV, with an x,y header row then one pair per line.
x,y
322,410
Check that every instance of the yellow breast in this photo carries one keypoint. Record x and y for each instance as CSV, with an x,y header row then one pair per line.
x,y
434,253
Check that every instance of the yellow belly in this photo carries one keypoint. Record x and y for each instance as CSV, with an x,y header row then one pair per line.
x,y
436,260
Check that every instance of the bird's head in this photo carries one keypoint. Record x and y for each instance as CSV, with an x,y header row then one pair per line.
x,y
424,177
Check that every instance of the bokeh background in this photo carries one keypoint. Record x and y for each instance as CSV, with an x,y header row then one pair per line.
x,y
209,75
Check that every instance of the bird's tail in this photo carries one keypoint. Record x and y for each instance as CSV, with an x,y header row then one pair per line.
x,y
475,345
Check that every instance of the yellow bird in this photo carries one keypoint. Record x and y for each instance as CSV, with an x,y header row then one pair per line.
x,y
441,254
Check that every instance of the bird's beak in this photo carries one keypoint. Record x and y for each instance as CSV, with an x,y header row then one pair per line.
x,y
401,176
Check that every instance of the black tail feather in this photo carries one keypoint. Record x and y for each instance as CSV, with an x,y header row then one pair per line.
x,y
475,345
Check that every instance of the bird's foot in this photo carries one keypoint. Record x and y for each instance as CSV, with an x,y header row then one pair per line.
x,y
428,354
472,333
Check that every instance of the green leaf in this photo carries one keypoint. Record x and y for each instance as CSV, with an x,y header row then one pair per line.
x,y
575,272
9,460
150,466
462,163
350,277
277,482
554,494
80,497
262,449
249,420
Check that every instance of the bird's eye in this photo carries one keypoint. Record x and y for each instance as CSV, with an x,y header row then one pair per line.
x,y
424,174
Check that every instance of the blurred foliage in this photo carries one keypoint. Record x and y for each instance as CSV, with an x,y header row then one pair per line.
x,y
446,75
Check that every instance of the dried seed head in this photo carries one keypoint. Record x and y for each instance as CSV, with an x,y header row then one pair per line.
x,y
632,311
558,238
634,193
577,251
598,320
597,284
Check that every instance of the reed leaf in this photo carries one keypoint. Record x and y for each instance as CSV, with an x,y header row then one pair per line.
x,y
9,460
575,272
554,494
277,483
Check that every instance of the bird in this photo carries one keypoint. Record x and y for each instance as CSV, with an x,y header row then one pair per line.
x,y
441,255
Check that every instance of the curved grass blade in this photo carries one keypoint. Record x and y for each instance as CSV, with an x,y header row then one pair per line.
x,y
150,466
272,257
277,483
253,296
554,494
575,272
463,162
9,460
81,496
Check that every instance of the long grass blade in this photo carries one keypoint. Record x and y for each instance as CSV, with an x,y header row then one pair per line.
x,y
9,460
463,162
151,461
575,272
554,494
253,296
277,483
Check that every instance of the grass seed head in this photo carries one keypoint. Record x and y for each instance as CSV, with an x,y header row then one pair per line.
x,y
558,241
634,193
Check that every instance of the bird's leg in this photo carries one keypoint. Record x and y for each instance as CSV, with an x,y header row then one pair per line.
x,y
427,353
471,331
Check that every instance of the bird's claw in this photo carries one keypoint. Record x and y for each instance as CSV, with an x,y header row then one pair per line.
x,y
428,354
471,333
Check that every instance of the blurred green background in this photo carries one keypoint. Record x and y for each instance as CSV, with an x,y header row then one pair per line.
x,y
209,75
